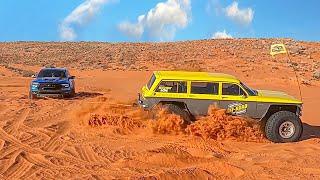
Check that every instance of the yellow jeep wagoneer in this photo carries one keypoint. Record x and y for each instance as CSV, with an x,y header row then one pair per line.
x,y
190,94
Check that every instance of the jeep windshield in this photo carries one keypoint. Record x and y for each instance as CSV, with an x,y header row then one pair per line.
x,y
52,73
151,81
250,91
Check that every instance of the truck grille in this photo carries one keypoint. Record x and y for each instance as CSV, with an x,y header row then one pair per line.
x,y
49,87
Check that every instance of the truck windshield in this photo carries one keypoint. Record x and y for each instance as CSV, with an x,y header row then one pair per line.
x,y
250,91
52,73
151,81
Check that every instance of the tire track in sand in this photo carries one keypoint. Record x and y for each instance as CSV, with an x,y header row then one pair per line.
x,y
8,160
86,153
9,149
31,160
31,172
18,167
13,127
1,144
55,144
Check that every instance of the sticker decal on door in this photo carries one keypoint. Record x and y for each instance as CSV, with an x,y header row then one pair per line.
x,y
237,108
164,89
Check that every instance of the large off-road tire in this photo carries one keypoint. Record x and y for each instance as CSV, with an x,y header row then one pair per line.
x,y
32,96
174,109
283,126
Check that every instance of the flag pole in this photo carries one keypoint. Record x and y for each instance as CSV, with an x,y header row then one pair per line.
x,y
295,72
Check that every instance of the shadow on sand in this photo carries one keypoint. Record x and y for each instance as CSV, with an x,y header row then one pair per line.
x,y
84,95
310,131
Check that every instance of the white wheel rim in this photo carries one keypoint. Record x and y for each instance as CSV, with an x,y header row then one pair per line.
x,y
286,129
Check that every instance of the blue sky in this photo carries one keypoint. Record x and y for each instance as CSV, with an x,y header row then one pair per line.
x,y
163,20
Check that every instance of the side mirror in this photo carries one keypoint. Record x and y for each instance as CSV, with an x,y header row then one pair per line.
x,y
244,96
72,77
34,76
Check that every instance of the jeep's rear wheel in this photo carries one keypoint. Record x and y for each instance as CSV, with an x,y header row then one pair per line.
x,y
283,126
174,109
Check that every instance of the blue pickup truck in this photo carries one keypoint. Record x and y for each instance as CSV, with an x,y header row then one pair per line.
x,y
52,82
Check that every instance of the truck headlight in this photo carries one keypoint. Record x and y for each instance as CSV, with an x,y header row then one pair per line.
x,y
34,85
65,86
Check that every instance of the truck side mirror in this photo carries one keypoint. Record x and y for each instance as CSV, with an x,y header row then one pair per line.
x,y
72,77
33,75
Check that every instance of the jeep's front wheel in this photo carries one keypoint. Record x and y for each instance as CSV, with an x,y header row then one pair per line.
x,y
283,126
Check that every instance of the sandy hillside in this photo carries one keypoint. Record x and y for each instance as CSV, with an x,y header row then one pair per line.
x,y
101,134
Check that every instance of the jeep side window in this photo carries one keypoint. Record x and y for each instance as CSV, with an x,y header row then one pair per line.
x,y
231,89
204,88
172,87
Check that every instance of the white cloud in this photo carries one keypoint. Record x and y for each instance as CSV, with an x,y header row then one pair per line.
x,y
67,33
213,7
241,16
78,17
221,35
161,22
132,30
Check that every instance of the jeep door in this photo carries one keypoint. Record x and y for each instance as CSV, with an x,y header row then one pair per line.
x,y
236,100
201,95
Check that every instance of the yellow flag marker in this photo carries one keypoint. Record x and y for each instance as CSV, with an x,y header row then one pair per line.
x,y
277,49
281,49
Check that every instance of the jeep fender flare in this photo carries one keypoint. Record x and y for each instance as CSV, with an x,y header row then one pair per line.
x,y
273,108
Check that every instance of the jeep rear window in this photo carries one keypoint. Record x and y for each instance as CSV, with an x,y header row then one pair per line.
x,y
51,73
151,81
172,87
204,88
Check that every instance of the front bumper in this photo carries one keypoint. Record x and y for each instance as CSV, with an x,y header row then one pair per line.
x,y
142,103
299,111
49,89
53,94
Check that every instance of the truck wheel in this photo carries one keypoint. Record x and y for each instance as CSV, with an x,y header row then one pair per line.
x,y
283,126
32,96
73,93
174,109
